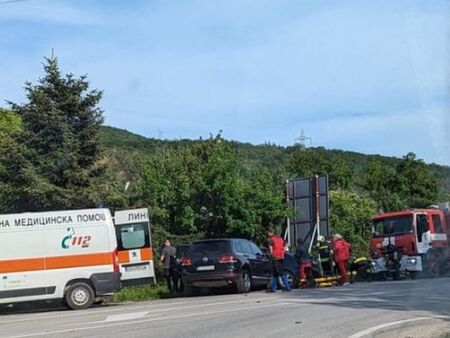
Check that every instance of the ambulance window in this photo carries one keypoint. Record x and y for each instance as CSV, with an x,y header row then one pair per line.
x,y
437,224
133,236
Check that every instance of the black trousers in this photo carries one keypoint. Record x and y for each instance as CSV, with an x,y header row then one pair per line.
x,y
173,279
277,267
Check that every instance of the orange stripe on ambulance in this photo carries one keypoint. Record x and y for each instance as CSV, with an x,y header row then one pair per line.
x,y
70,255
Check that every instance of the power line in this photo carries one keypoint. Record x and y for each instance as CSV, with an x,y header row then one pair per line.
x,y
11,1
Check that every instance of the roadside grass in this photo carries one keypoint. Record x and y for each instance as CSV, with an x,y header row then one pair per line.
x,y
141,293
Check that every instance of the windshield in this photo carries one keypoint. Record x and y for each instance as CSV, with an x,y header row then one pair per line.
x,y
393,226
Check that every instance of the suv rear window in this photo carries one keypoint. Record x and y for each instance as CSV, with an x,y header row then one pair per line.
x,y
210,247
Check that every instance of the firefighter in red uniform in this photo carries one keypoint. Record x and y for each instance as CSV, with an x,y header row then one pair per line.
x,y
277,247
341,250
304,260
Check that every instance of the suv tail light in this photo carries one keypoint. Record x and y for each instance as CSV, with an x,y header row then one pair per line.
x,y
227,259
186,261
116,264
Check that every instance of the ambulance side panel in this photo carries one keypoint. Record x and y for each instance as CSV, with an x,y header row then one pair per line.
x,y
22,267
39,263
77,262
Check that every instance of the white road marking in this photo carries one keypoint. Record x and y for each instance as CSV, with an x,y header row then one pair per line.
x,y
33,316
125,316
160,305
385,325
161,312
95,327
332,300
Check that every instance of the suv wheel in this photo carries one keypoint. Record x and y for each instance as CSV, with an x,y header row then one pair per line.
x,y
244,283
292,280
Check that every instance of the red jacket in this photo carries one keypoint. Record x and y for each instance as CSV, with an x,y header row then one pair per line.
x,y
278,247
341,250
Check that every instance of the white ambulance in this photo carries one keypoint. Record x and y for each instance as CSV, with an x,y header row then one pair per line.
x,y
69,255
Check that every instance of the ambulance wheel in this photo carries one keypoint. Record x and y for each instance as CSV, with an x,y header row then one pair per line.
x,y
79,296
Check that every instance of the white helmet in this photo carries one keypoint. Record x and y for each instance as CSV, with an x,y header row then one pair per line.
x,y
337,236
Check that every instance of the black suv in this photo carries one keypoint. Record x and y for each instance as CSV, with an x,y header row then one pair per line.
x,y
225,262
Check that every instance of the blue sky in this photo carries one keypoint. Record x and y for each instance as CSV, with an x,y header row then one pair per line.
x,y
368,76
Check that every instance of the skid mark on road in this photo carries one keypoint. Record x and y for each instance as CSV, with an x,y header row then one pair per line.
x,y
145,320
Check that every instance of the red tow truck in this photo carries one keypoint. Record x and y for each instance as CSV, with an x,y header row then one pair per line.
x,y
417,239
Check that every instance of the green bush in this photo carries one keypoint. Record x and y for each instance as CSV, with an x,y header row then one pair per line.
x,y
350,216
141,293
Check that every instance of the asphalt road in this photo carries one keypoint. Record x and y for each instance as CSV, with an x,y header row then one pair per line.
x,y
418,308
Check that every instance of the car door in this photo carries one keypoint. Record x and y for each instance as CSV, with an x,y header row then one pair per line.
x,y
250,257
423,233
263,261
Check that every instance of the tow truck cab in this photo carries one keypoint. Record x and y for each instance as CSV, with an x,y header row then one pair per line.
x,y
421,235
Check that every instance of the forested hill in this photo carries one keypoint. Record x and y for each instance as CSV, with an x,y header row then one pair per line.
x,y
269,156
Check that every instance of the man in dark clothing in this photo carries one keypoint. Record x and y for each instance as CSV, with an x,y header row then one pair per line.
x,y
277,247
169,260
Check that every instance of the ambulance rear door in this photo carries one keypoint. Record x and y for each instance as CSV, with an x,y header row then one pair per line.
x,y
134,246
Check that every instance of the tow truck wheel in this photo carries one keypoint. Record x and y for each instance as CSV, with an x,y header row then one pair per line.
x,y
433,267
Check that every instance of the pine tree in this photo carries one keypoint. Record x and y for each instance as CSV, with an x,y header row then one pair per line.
x,y
57,163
